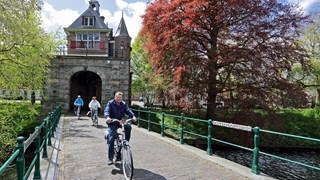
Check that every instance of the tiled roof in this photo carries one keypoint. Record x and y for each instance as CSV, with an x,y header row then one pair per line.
x,y
98,24
122,28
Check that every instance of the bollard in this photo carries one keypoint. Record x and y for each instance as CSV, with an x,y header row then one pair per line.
x,y
149,119
209,149
162,125
181,129
20,162
139,124
255,163
37,174
44,138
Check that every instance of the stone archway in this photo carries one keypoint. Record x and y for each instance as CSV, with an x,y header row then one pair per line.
x,y
86,84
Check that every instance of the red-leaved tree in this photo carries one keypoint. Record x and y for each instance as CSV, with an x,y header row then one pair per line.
x,y
240,50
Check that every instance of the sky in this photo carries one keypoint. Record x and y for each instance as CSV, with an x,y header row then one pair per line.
x,y
62,13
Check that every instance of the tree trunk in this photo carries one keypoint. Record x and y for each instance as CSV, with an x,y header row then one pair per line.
x,y
212,95
318,98
33,97
211,106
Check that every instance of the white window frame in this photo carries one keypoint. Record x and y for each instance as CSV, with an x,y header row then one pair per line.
x,y
87,21
90,43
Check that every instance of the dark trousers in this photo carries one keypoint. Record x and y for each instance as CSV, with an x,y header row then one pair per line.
x,y
112,136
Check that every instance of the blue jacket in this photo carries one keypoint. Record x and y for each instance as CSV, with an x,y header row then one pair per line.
x,y
115,111
78,101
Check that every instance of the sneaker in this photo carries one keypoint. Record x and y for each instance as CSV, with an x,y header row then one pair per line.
x,y
110,162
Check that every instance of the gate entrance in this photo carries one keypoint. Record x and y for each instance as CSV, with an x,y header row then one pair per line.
x,y
86,84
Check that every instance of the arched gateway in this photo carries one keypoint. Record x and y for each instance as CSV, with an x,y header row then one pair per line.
x,y
96,63
86,84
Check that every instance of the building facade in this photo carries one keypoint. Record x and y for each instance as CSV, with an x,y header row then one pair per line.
x,y
96,62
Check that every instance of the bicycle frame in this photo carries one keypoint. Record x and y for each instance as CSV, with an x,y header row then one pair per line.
x,y
94,115
78,111
122,146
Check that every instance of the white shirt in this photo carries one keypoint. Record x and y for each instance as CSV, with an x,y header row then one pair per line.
x,y
94,103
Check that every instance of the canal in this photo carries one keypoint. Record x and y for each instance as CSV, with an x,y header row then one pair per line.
x,y
278,168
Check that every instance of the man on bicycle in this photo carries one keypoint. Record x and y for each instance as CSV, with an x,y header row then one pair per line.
x,y
94,105
116,109
78,103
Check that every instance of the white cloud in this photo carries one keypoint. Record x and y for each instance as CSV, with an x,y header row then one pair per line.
x,y
132,16
305,4
52,19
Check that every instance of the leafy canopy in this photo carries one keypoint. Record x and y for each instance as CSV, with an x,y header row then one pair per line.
x,y
25,48
237,49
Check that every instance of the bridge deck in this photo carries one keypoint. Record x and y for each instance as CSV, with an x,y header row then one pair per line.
x,y
84,156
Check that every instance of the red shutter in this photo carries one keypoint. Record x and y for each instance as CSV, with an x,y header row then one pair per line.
x,y
102,45
73,44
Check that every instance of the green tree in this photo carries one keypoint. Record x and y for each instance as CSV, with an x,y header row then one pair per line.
x,y
310,77
145,81
25,48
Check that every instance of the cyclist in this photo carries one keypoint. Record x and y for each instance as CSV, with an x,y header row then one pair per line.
x,y
78,103
94,104
116,109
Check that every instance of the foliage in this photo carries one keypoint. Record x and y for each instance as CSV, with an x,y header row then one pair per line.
x,y
15,119
310,41
25,48
145,81
240,51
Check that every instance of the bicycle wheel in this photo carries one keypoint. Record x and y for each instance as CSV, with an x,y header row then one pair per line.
x,y
127,162
117,148
96,120
78,112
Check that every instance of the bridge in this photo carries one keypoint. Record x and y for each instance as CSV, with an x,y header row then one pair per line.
x,y
80,152
72,148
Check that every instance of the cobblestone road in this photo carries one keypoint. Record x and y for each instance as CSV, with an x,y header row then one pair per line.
x,y
84,156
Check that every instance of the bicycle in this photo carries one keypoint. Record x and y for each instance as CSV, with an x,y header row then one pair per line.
x,y
94,116
77,111
122,150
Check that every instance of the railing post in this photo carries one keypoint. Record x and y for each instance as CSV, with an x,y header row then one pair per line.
x,y
55,113
181,128
162,125
52,124
255,163
209,149
44,138
49,129
139,123
20,162
149,119
37,174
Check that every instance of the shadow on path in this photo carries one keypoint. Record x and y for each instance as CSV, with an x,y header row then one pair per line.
x,y
146,174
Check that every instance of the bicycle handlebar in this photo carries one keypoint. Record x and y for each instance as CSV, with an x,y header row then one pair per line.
x,y
125,121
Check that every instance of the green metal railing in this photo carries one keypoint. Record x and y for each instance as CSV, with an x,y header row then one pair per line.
x,y
47,127
181,120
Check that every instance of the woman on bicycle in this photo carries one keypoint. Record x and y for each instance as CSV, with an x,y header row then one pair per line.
x,y
78,103
94,105
116,109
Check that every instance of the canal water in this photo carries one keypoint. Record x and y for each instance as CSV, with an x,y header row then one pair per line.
x,y
278,168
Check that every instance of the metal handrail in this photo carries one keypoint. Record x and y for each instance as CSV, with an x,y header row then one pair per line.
x,y
48,127
255,130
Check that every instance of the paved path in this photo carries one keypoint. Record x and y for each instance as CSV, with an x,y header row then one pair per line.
x,y
84,156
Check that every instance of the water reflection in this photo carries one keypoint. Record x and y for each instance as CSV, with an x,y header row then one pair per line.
x,y
278,168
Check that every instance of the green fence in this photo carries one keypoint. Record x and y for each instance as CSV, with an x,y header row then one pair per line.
x,y
47,127
144,116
